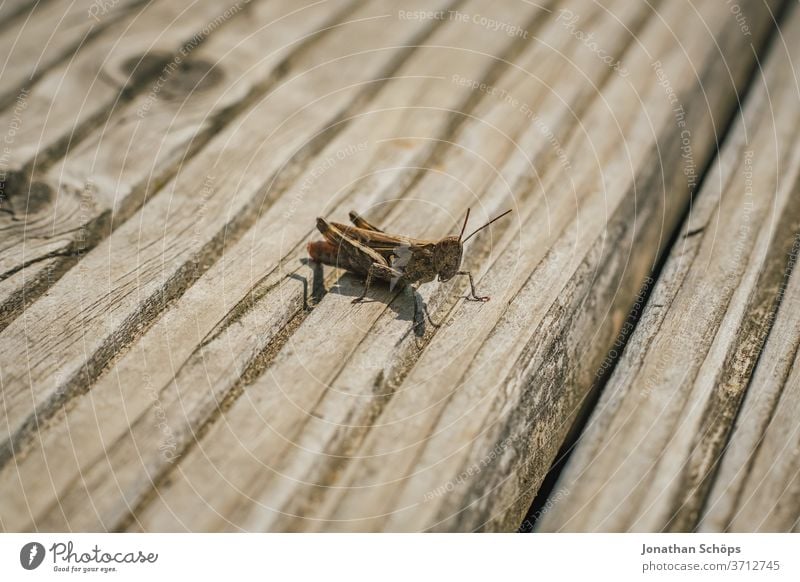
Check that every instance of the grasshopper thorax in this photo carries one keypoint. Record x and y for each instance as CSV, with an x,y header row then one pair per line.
x,y
447,257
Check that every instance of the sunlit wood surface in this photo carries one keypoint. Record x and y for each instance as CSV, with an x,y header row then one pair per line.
x,y
171,360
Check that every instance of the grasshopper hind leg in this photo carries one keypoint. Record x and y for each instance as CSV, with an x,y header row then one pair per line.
x,y
357,257
361,222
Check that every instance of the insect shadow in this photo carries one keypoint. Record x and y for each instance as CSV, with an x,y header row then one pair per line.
x,y
317,282
405,300
408,304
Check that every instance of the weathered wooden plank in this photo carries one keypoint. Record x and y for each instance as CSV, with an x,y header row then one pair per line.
x,y
359,389
83,89
180,335
376,393
491,398
324,86
65,210
229,467
495,130
39,37
646,460
755,488
11,290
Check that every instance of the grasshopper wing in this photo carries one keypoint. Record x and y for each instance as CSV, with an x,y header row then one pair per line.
x,y
341,248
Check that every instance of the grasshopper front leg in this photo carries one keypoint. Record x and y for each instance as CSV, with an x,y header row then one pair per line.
x,y
475,296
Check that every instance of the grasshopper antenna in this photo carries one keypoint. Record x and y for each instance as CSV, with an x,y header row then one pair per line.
x,y
463,228
476,231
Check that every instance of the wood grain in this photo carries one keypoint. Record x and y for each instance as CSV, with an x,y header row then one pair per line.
x,y
173,361
649,454
48,33
284,127
63,211
237,477
755,488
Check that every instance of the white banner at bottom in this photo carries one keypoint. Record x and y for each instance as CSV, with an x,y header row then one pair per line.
x,y
355,557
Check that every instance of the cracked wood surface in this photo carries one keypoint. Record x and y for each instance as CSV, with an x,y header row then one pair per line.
x,y
172,361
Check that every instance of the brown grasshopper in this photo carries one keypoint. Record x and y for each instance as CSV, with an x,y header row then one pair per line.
x,y
367,250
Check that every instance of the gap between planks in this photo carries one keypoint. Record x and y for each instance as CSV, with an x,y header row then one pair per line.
x,y
698,350
183,497
550,493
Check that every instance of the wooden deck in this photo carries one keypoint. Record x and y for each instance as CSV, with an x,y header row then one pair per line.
x,y
171,360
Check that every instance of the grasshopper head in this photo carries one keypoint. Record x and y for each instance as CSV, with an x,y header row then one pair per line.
x,y
447,253
447,257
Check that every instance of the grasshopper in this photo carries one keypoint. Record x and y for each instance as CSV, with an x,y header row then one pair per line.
x,y
367,250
